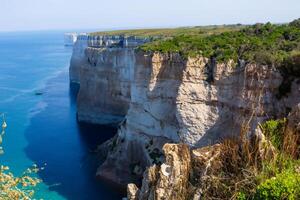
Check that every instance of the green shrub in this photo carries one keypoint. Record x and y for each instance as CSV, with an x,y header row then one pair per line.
x,y
274,131
241,196
289,69
295,23
265,43
283,186
278,178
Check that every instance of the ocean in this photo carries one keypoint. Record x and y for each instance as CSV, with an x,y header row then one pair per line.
x,y
40,110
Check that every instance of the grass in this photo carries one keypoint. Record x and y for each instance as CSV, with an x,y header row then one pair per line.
x,y
171,32
252,169
283,186
274,131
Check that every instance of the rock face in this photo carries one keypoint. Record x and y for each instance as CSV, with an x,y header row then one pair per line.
x,y
166,98
194,101
170,180
173,179
200,173
105,79
103,66
78,59
132,192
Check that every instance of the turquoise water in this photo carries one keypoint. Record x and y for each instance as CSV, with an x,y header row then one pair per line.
x,y
42,128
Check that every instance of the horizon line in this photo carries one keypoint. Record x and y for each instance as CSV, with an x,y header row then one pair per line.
x,y
130,27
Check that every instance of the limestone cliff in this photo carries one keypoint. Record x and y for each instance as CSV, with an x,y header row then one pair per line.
x,y
77,59
197,173
195,101
105,79
167,98
103,66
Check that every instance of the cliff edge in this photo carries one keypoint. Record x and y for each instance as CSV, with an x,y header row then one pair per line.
x,y
158,94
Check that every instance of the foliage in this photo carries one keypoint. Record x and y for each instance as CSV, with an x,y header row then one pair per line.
x,y
281,164
264,43
285,141
290,69
12,187
280,177
283,186
254,168
241,196
295,23
274,131
171,32
232,174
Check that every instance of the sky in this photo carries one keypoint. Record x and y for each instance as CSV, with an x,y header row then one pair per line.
x,y
23,15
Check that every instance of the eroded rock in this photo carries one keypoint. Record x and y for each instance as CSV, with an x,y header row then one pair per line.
x,y
132,192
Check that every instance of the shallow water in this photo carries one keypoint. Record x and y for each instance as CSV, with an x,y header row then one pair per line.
x,y
43,128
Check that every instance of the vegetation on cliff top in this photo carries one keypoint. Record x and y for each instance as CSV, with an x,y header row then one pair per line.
x,y
265,43
171,32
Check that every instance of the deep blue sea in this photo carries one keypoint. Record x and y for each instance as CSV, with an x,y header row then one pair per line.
x,y
42,129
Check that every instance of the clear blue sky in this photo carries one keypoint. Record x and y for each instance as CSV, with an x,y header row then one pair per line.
x,y
108,14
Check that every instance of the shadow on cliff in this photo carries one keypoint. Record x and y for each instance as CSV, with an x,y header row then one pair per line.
x,y
173,69
55,139
163,86
167,77
228,112
158,82
243,106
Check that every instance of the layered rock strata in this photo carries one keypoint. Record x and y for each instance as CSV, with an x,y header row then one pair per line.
x,y
164,98
105,79
103,66
195,101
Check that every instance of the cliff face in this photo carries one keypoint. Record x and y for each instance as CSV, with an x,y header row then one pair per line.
x,y
77,60
197,101
167,98
104,68
194,101
195,173
105,79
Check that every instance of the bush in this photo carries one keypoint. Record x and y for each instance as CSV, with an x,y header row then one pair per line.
x,y
295,23
283,186
241,196
265,43
289,69
274,131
